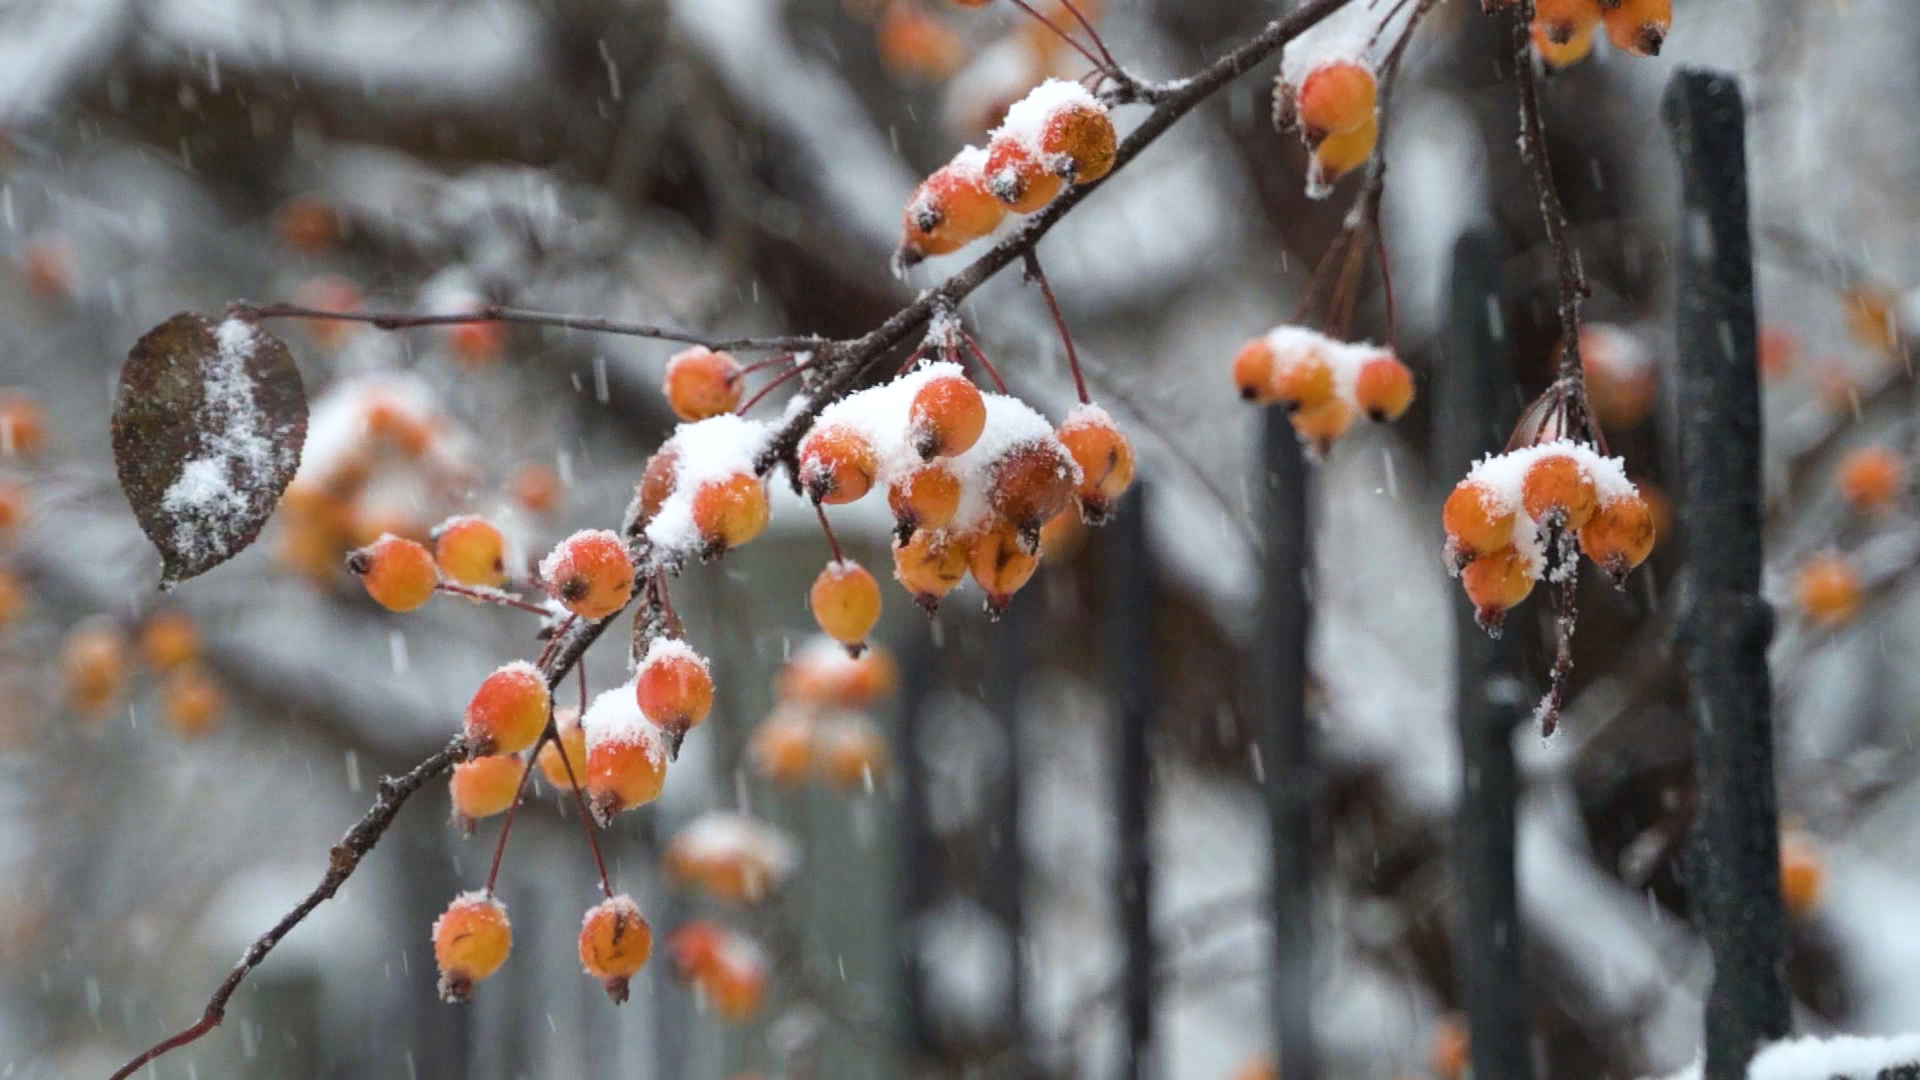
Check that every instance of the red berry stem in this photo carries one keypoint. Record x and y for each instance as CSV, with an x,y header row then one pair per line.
x,y
913,358
519,795
579,800
767,389
1553,214
490,596
771,361
553,642
832,540
1039,277
1092,34
498,313
674,626
985,364
1108,66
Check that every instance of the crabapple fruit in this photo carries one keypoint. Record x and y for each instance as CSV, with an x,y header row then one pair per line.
x,y
509,710
1324,423
1619,536
1030,483
471,940
615,942
1018,177
23,427
1828,589
1253,372
93,665
1871,477
1638,26
673,686
398,573
930,564
782,746
845,601
1105,458
950,209
1383,388
946,416
1559,20
837,464
470,551
701,383
1335,97
169,640
924,497
1496,582
1001,563
590,573
567,751
657,481
729,511
1557,490
1338,155
484,786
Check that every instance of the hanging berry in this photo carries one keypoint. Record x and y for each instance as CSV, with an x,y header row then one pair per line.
x,y
471,940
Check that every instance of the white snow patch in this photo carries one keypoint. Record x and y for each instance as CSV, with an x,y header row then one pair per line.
x,y
712,449
615,718
1029,118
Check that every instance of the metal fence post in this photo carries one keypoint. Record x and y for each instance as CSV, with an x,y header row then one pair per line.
x,y
1735,859
1475,406
1130,626
1286,747
1006,677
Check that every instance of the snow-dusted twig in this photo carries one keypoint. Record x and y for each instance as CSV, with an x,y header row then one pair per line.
x,y
497,313
1533,148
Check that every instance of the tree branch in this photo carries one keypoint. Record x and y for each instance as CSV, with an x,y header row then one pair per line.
x,y
1533,148
491,313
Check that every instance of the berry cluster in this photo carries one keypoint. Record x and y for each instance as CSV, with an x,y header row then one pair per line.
x,y
817,729
1620,374
1328,91
97,667
1509,522
1058,134
1322,382
727,968
1563,30
731,857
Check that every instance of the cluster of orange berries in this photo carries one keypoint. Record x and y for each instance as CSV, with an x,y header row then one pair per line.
x,y
817,729
96,667
1330,95
731,857
699,495
1058,134
23,437
472,939
726,967
1827,586
1502,519
1563,30
1323,383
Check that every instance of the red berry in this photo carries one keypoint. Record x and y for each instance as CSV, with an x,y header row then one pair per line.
x,y
1030,483
509,710
701,383
471,940
626,755
1871,477
399,574
837,464
951,209
1828,589
658,481
729,512
1018,177
946,416
590,573
673,687
615,942
471,551
563,760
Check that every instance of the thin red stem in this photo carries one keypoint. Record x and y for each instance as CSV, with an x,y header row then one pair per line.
x,y
559,632
519,794
985,364
493,596
912,359
832,540
767,389
1386,289
771,361
1039,277
579,799
666,604
1064,36
1092,34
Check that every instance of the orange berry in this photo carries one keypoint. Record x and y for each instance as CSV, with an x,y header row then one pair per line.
x,y
307,225
1302,381
731,856
1620,380
470,551
169,640
590,573
1018,177
1801,873
471,940
93,663
866,678
1001,563
1638,26
191,702
1081,138
1828,589
478,343
1062,536
13,598
13,505
1778,350
946,416
1253,372
701,383
1475,521
914,44
930,564
509,710
822,673
924,497
837,464
695,946
1030,483
1383,388
782,746
568,751
485,786
845,601
1496,583
673,687
615,942
1338,155
626,755
729,512
398,424
23,427
1560,55
537,487
1452,1050
1258,1068
1619,536
851,752
1560,20
950,209
1557,488
1871,477
1324,423
1104,456
1335,97
399,574
658,481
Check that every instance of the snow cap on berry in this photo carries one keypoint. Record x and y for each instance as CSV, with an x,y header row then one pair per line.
x,y
711,449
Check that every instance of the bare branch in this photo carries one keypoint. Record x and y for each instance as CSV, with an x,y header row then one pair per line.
x,y
492,313
1533,147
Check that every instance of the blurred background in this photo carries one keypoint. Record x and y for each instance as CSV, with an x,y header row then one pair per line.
x,y
740,166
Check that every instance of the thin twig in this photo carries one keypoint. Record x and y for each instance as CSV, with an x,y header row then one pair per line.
x,y
491,313
833,541
513,808
1092,33
491,596
1105,68
1039,277
579,798
980,357
1533,148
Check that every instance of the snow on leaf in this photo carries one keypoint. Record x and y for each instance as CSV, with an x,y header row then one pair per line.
x,y
208,426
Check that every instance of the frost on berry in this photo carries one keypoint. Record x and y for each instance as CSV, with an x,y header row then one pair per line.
x,y
471,940
946,415
845,601
1325,383
615,942
657,482
950,209
509,710
470,551
715,501
1104,457
590,573
673,686
626,754
930,563
399,574
731,856
1558,490
701,383
837,463
484,786
1059,131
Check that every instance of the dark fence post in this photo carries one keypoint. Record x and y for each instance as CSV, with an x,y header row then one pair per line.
x,y
1130,625
920,680
1006,677
1475,406
1735,859
1286,747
